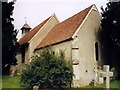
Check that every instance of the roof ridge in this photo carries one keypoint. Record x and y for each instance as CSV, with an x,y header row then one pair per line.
x,y
79,12
65,29
28,36
90,8
53,15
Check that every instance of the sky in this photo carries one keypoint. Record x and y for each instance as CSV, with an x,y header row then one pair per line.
x,y
36,11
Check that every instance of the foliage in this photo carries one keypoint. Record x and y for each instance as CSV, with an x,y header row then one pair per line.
x,y
9,41
48,70
111,34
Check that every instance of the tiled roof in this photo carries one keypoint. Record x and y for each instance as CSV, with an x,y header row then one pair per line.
x,y
31,33
25,26
64,30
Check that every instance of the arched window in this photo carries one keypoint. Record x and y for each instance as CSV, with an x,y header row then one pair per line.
x,y
96,51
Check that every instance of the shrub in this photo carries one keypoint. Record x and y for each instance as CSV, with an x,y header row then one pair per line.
x,y
48,70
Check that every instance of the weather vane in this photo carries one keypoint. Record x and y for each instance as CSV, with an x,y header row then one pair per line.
x,y
25,20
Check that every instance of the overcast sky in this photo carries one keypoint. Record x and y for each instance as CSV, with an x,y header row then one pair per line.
x,y
38,10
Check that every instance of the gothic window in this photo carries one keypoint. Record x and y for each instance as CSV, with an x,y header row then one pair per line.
x,y
96,51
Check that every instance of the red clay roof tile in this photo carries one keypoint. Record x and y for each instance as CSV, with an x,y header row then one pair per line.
x,y
25,26
64,30
31,33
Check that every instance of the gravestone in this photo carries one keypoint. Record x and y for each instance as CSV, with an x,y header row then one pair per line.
x,y
106,74
13,70
97,78
35,87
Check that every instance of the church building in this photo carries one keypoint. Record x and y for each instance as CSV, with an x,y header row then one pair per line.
x,y
31,38
77,36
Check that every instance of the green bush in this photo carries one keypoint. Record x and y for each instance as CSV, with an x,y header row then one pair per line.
x,y
48,70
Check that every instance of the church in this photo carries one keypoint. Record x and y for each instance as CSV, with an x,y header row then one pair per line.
x,y
77,36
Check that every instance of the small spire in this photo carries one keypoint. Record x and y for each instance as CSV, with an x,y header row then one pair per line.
x,y
25,19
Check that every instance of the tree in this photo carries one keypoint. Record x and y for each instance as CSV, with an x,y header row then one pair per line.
x,y
48,70
9,41
111,34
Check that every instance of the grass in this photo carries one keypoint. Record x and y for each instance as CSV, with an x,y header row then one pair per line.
x,y
14,82
11,82
113,84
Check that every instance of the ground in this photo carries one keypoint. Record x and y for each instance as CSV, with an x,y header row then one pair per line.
x,y
14,82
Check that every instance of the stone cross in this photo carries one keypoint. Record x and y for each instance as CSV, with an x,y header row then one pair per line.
x,y
106,74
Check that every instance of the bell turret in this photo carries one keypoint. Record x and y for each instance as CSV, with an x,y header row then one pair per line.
x,y
26,28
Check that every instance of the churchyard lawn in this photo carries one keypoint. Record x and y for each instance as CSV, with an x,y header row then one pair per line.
x,y
14,82
11,82
113,84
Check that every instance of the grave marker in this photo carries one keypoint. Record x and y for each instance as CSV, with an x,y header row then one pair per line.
x,y
35,87
106,74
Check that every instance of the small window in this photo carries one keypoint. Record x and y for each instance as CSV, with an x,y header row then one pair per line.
x,y
25,31
96,51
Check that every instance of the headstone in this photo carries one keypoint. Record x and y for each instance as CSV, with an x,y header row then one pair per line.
x,y
106,74
98,79
35,87
13,70
114,73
